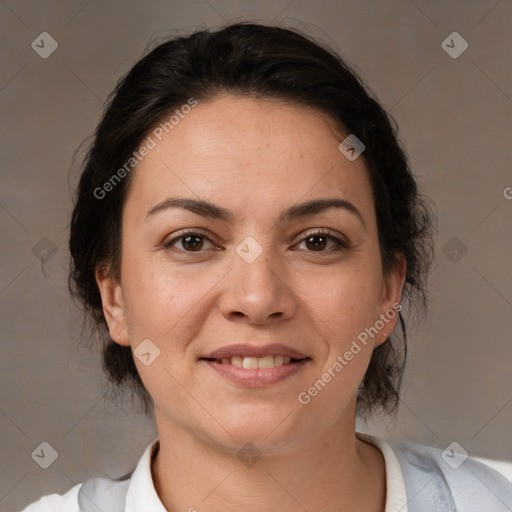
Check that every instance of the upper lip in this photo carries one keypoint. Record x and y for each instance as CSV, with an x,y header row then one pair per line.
x,y
245,350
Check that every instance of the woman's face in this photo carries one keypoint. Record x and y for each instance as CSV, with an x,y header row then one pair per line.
x,y
252,273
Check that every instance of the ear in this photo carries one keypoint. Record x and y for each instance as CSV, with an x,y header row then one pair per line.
x,y
391,294
113,306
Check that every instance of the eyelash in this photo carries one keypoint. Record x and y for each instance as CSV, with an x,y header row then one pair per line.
x,y
340,244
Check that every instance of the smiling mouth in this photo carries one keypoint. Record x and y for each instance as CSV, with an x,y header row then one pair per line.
x,y
255,363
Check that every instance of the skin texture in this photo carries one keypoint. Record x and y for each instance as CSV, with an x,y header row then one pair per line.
x,y
256,158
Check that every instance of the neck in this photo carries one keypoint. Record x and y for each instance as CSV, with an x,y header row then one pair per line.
x,y
334,471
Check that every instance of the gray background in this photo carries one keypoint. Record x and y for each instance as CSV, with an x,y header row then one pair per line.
x,y
454,117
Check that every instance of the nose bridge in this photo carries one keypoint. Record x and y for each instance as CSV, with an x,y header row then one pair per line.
x,y
257,288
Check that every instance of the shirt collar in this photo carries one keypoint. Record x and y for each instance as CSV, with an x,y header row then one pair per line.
x,y
396,496
142,494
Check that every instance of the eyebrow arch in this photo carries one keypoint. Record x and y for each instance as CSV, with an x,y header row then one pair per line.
x,y
206,209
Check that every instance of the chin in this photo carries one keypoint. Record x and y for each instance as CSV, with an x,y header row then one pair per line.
x,y
268,428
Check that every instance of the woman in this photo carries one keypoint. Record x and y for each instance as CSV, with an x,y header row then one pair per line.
x,y
245,234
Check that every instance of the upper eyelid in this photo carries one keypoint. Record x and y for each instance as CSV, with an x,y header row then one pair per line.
x,y
183,233
340,239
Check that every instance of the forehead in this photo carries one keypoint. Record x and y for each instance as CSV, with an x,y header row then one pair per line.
x,y
246,151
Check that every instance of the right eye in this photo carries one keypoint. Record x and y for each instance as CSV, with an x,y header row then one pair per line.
x,y
191,241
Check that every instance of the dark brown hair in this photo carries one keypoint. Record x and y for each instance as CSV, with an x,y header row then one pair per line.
x,y
264,62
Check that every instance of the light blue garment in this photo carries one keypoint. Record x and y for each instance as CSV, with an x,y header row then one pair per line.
x,y
431,484
103,494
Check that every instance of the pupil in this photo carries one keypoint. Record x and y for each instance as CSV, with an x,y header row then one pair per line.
x,y
320,245
189,239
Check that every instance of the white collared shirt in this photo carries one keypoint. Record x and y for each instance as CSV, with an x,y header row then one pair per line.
x,y
142,496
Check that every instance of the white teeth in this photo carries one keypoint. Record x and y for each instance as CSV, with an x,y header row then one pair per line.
x,y
253,363
236,361
278,360
266,362
250,363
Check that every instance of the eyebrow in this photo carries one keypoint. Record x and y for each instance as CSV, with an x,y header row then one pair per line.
x,y
207,209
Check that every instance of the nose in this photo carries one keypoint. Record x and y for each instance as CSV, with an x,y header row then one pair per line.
x,y
257,292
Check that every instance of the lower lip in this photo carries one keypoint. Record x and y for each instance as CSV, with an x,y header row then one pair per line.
x,y
259,377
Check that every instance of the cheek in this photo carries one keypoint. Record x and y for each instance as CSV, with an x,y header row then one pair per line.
x,y
163,307
345,300
169,305
157,296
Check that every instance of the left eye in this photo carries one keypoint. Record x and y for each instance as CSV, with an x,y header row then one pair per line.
x,y
319,240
